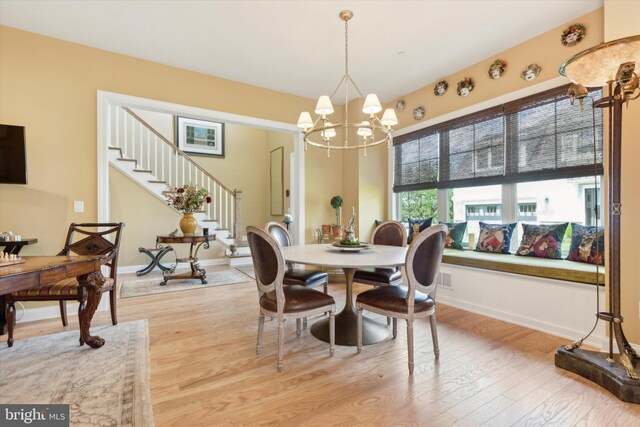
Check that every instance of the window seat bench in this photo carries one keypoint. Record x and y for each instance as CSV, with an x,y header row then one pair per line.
x,y
558,269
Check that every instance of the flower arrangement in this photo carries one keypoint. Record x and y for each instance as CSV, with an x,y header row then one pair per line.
x,y
189,198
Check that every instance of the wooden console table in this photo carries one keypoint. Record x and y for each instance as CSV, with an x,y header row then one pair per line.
x,y
196,242
15,246
41,270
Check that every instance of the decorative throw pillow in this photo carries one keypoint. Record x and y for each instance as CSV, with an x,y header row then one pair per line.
x,y
417,226
542,240
455,234
495,238
587,244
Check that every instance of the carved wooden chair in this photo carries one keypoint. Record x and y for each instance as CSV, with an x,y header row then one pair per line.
x,y
279,301
415,300
82,239
390,233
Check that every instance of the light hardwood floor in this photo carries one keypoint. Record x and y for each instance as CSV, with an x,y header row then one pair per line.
x,y
204,370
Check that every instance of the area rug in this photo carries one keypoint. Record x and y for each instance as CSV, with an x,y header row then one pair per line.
x,y
248,270
151,285
109,386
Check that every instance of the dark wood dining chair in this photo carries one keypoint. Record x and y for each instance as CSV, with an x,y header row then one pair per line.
x,y
417,299
82,239
390,233
283,302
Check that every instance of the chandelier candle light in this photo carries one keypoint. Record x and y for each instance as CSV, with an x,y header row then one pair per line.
x,y
371,132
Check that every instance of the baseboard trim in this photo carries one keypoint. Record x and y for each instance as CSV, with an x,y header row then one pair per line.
x,y
595,340
202,262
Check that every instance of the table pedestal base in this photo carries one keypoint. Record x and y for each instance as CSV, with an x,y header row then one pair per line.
x,y
372,331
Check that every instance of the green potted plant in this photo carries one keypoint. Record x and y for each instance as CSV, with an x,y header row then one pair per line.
x,y
336,203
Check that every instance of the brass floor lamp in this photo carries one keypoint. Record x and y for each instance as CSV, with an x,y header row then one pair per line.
x,y
610,64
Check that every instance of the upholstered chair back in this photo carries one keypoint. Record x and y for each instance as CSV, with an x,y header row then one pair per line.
x,y
390,233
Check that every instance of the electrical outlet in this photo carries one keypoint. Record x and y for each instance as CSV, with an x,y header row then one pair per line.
x,y
78,206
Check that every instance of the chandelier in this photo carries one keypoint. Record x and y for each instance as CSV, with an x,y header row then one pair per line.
x,y
371,132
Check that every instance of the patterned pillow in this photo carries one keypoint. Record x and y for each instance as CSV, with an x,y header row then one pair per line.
x,y
495,238
542,240
455,234
417,226
587,244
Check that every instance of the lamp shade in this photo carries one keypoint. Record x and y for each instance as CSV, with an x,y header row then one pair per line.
x,y
324,105
371,104
329,133
598,65
389,117
365,131
304,121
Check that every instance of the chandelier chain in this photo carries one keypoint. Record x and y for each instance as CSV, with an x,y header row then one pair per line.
x,y
346,47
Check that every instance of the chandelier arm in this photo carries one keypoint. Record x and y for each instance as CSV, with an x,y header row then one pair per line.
x,y
338,87
355,86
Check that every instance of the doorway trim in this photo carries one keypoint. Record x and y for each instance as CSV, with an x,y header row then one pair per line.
x,y
108,101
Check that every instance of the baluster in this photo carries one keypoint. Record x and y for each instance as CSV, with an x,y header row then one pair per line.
x,y
183,168
189,174
148,150
140,145
155,156
117,114
209,192
124,131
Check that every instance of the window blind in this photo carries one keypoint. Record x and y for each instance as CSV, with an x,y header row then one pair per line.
x,y
534,138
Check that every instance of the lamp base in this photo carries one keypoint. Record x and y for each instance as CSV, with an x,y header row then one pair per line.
x,y
594,366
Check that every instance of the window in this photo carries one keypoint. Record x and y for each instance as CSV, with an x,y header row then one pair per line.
x,y
531,160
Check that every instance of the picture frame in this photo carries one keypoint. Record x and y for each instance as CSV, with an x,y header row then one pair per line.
x,y
200,137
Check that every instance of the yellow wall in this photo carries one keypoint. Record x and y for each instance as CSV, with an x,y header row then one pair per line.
x,y
544,50
50,86
621,20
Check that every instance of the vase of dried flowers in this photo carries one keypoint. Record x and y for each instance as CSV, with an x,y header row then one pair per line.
x,y
188,199
188,223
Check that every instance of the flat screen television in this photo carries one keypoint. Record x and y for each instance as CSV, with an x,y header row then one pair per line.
x,y
13,155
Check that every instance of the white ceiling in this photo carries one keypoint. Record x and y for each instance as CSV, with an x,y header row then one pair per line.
x,y
298,46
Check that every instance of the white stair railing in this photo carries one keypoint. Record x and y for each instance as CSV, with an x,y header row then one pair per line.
x,y
153,153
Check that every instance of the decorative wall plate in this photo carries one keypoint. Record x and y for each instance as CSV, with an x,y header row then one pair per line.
x,y
531,72
496,70
400,105
418,113
573,35
440,88
465,86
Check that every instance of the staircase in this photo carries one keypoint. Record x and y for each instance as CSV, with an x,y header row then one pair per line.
x,y
159,166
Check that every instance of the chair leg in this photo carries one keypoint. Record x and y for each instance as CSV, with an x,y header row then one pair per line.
x,y
332,333
410,344
434,335
260,331
11,321
388,320
359,330
325,286
81,308
304,323
298,327
395,328
112,305
280,344
63,313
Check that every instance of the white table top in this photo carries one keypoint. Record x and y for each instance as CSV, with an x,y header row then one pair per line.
x,y
328,256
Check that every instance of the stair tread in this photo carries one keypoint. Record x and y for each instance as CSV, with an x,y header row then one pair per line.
x,y
154,181
124,159
143,170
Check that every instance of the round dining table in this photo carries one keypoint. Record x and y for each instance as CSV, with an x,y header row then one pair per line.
x,y
330,256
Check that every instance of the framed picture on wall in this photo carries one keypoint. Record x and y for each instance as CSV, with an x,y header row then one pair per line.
x,y
200,137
